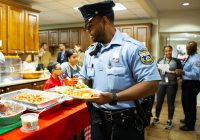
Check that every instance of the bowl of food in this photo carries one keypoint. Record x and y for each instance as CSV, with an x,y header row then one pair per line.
x,y
31,74
71,81
10,112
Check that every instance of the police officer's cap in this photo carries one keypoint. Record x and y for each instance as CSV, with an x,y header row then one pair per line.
x,y
89,11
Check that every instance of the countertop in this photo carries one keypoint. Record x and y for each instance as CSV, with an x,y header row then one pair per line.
x,y
23,81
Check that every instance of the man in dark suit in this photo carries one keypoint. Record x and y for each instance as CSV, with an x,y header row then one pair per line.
x,y
62,55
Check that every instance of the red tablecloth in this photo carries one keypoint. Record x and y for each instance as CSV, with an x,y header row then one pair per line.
x,y
60,125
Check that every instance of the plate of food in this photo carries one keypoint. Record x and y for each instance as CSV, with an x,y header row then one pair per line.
x,y
86,93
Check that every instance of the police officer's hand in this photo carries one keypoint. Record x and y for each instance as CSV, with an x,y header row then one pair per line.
x,y
105,97
173,73
179,72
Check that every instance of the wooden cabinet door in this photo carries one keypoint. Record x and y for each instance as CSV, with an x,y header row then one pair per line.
x,y
85,39
18,87
3,33
127,30
39,85
74,37
15,30
142,33
64,37
2,90
43,37
31,33
53,38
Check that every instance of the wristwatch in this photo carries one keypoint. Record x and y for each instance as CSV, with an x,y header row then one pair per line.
x,y
114,101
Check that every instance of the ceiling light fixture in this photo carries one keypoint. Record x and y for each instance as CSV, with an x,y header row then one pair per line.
x,y
186,4
118,6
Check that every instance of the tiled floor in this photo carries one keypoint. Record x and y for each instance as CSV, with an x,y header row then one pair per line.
x,y
159,132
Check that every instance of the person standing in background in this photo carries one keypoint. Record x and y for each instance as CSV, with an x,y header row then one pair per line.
x,y
190,86
44,55
62,55
168,85
80,55
71,69
2,59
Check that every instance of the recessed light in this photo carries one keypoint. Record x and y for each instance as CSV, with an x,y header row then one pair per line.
x,y
76,8
119,6
186,4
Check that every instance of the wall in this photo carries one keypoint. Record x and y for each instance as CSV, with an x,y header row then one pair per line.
x,y
177,21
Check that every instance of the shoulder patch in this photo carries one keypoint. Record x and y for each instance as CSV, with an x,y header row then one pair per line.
x,y
145,56
198,64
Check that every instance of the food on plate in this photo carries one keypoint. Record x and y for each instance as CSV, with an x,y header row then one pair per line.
x,y
4,108
80,85
86,93
32,98
67,90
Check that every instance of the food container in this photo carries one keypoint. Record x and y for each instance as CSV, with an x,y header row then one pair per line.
x,y
29,122
47,110
73,81
11,119
31,74
54,97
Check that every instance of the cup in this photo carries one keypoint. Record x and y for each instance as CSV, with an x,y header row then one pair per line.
x,y
29,122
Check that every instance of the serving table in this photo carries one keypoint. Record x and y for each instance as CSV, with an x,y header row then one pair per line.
x,y
59,125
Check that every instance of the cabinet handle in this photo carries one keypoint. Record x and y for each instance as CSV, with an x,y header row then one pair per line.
x,y
2,90
8,89
34,84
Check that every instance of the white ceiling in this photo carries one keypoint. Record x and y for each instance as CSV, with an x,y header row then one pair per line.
x,y
62,12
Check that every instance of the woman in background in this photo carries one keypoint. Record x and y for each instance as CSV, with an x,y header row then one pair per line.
x,y
80,54
168,85
71,69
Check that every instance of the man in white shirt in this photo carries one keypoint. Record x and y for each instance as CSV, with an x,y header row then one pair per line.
x,y
2,59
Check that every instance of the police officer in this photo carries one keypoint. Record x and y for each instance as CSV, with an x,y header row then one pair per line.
x,y
120,67
190,86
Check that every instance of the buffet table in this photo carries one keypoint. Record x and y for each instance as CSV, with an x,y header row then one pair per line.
x,y
59,125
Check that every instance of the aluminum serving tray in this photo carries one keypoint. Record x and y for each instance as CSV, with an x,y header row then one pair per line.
x,y
53,97
46,110
11,119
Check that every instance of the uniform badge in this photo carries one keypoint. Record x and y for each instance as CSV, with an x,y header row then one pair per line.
x,y
198,64
115,57
145,56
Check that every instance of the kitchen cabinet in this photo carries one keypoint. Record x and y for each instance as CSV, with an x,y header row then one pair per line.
x,y
127,30
74,37
53,38
39,85
15,30
3,33
18,87
142,33
64,37
1,91
31,32
43,37
85,39
18,28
